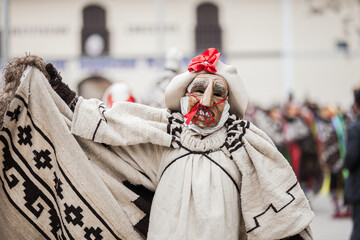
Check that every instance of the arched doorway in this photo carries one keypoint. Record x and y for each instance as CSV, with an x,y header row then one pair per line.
x,y
93,87
208,31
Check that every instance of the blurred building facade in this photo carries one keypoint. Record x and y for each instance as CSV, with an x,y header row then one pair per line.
x,y
278,46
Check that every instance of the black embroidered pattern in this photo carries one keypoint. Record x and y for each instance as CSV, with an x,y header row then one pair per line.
x,y
73,215
32,194
14,115
93,234
38,196
9,163
21,212
58,188
295,237
102,108
24,135
236,129
42,159
143,202
174,128
271,206
55,224
145,194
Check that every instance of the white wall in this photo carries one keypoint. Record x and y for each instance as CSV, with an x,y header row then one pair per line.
x,y
252,40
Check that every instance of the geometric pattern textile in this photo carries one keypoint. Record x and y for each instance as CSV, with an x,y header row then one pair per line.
x,y
49,193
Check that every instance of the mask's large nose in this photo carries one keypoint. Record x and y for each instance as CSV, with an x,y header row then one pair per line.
x,y
207,99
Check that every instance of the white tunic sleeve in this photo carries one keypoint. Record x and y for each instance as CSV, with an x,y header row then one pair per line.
x,y
122,125
135,132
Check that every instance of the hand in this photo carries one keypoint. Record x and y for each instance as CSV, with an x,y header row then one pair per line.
x,y
55,78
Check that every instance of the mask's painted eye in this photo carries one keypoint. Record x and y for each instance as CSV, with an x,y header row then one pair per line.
x,y
198,91
217,95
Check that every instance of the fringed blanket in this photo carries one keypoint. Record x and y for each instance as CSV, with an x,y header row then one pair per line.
x,y
57,186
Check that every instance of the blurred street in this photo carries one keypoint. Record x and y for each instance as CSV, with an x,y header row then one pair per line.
x,y
325,227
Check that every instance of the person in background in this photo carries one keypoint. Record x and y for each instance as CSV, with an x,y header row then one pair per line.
x,y
117,92
352,163
156,96
331,132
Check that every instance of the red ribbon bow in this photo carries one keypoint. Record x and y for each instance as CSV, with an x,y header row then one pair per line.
x,y
206,61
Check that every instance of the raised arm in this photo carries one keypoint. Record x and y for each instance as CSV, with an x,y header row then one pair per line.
x,y
62,89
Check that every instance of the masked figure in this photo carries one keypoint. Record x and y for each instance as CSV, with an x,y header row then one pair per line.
x,y
215,175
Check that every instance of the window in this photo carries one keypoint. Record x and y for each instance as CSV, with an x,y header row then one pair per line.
x,y
94,35
208,31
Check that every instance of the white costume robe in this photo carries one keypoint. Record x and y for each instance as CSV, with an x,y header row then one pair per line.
x,y
198,181
62,184
195,197
197,194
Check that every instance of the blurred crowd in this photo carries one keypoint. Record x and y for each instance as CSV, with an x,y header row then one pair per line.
x,y
313,139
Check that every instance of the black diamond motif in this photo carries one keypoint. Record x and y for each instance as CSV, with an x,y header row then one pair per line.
x,y
58,188
42,159
74,215
93,234
14,115
25,135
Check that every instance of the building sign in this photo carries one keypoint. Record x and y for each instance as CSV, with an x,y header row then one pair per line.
x,y
167,28
38,30
106,62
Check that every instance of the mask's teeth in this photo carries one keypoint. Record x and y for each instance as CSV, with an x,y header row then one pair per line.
x,y
207,114
201,112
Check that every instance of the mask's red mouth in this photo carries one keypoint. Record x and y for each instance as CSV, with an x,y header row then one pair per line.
x,y
205,114
200,110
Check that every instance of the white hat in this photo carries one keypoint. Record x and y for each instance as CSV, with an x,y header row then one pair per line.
x,y
176,89
117,92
